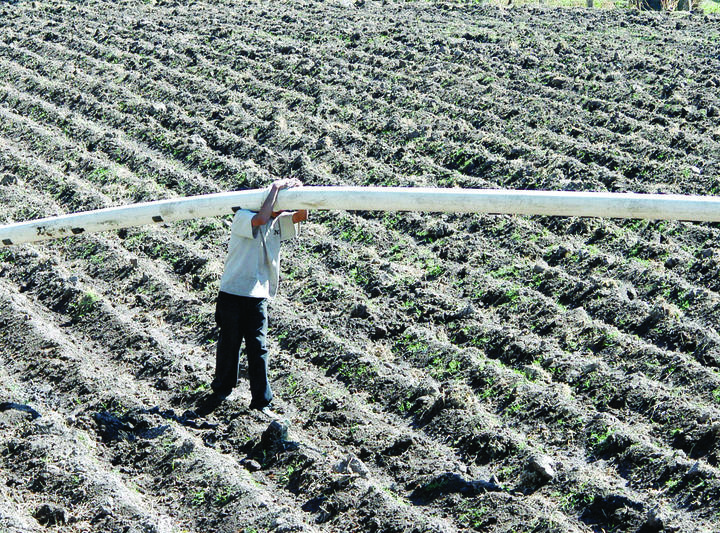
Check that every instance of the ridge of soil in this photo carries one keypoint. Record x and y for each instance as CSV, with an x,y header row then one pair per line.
x,y
440,373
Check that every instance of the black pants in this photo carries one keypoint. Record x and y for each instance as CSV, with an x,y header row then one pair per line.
x,y
242,318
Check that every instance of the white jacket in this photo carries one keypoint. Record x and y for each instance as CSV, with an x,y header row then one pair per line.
x,y
252,266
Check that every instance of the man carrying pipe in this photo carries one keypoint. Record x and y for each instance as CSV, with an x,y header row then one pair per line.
x,y
250,278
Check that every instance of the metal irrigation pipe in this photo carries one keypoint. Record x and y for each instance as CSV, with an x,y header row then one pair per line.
x,y
491,201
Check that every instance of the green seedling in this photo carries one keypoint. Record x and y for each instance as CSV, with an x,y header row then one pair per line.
x,y
85,305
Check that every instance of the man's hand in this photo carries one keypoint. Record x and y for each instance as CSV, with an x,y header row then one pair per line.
x,y
289,183
286,183
300,216
266,211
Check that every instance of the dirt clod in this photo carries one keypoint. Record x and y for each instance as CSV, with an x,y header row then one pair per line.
x,y
50,515
275,437
543,467
7,179
351,465
654,523
251,465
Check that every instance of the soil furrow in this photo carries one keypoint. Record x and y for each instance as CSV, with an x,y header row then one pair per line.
x,y
486,373
120,405
116,410
140,153
577,382
636,143
473,444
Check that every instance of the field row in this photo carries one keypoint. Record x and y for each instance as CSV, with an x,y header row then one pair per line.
x,y
440,373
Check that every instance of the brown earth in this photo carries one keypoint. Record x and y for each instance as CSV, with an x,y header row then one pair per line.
x,y
439,373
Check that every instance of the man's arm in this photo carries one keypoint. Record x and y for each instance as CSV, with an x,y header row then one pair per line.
x,y
300,216
263,216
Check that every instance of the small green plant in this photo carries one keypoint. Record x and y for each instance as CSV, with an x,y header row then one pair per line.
x,y
537,280
291,469
360,275
352,233
574,500
479,341
608,339
527,374
511,297
474,516
405,406
506,272
598,439
411,307
199,497
292,386
453,366
397,252
353,372
224,495
408,344
434,270
85,305
440,368
102,175
716,395
684,300
516,407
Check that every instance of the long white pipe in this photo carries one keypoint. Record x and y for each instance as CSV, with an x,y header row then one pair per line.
x,y
496,201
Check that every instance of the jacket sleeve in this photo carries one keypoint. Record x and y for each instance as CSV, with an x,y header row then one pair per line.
x,y
242,224
288,230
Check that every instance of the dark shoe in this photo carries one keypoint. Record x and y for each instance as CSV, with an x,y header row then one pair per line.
x,y
210,402
221,394
259,406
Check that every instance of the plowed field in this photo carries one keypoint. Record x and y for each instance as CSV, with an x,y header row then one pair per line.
x,y
438,373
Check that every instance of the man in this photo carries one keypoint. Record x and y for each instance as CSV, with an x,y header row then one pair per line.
x,y
251,276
